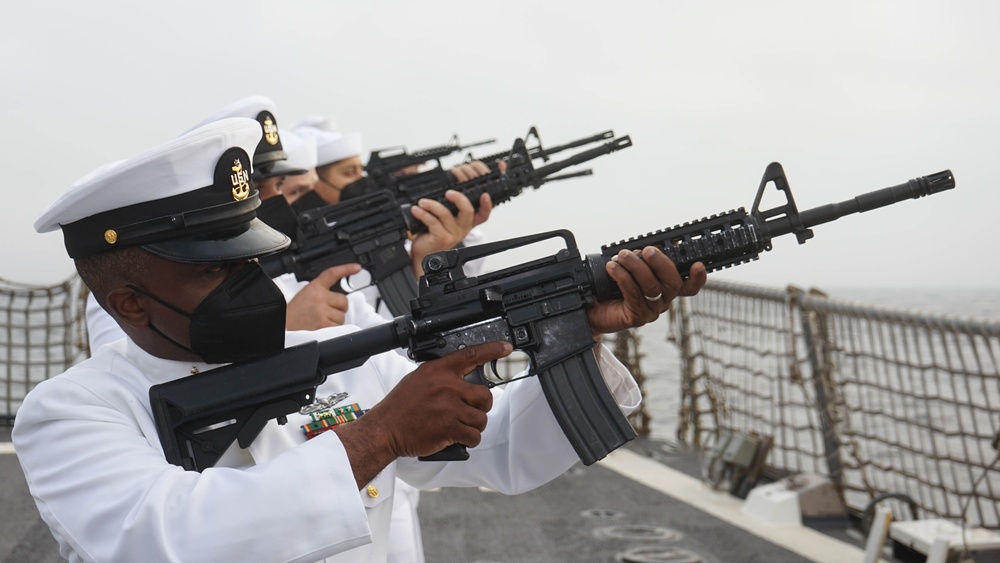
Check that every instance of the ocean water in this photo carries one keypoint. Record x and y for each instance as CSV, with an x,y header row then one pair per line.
x,y
661,358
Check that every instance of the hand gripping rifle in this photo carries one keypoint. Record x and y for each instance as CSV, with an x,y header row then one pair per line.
x,y
385,163
372,229
538,306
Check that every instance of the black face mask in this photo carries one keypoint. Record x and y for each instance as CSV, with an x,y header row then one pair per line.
x,y
241,319
278,215
311,200
357,188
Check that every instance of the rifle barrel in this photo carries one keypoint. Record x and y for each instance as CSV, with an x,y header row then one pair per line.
x,y
913,189
584,156
539,152
568,175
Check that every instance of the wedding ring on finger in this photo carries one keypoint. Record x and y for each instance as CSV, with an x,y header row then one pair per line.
x,y
656,297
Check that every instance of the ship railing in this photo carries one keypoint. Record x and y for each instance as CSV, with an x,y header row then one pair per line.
x,y
42,333
879,400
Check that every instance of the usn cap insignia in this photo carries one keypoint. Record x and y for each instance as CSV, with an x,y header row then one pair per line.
x,y
270,130
269,125
232,173
240,179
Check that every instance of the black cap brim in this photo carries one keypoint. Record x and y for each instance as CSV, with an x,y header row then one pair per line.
x,y
249,240
279,168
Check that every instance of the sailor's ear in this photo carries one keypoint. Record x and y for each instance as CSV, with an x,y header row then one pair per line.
x,y
124,306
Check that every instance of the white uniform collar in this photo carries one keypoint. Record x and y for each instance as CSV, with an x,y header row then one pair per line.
x,y
158,370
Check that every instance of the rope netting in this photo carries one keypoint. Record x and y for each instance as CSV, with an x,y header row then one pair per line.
x,y
880,400
42,333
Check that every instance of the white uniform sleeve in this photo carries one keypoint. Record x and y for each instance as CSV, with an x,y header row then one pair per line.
x,y
523,446
90,447
361,311
289,286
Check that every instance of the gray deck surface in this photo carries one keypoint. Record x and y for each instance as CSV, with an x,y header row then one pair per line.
x,y
561,521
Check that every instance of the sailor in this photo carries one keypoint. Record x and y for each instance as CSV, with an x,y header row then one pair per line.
x,y
270,169
301,153
339,165
166,242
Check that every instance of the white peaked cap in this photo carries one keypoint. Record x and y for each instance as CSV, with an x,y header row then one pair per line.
x,y
270,156
250,107
301,150
196,185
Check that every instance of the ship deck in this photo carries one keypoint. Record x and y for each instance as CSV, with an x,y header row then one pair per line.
x,y
643,503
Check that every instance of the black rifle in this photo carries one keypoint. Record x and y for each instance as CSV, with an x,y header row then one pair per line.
x,y
539,306
407,188
372,229
538,151
385,163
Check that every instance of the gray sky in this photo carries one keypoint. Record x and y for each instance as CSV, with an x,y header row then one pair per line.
x,y
848,96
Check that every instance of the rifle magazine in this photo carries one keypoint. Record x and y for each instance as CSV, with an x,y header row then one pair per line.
x,y
397,289
586,410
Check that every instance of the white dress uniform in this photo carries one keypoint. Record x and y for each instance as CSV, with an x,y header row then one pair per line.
x,y
87,438
406,541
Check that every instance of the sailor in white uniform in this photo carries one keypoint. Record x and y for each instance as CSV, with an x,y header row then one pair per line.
x,y
166,241
296,164
285,157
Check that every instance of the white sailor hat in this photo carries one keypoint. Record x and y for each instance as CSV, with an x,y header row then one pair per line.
x,y
320,122
269,160
332,146
301,150
189,200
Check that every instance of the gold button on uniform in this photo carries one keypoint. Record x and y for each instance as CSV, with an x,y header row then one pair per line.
x,y
372,491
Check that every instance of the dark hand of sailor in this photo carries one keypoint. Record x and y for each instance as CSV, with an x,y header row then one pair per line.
x,y
649,282
431,408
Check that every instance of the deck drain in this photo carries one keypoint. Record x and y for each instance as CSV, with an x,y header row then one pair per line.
x,y
638,532
601,513
658,554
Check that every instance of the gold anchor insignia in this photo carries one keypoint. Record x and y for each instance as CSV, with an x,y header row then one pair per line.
x,y
270,131
241,181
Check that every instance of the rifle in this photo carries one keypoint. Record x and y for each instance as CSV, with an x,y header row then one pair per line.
x,y
538,306
372,229
543,153
407,187
384,163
